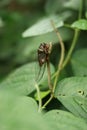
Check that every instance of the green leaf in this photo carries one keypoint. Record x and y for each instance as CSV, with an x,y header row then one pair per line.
x,y
72,93
73,4
22,80
80,24
42,94
12,102
44,25
20,113
61,120
79,62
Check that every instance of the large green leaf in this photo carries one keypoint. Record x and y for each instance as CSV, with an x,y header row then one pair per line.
x,y
44,25
72,92
79,62
22,80
20,113
80,24
61,120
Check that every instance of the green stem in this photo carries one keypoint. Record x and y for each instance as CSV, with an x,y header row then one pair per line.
x,y
49,76
80,9
48,101
71,48
39,97
67,26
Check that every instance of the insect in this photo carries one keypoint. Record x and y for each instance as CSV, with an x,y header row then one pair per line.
x,y
43,53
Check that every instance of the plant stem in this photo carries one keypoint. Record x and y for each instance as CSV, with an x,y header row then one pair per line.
x,y
48,101
80,9
62,62
39,97
49,84
67,25
71,48
49,76
59,66
61,56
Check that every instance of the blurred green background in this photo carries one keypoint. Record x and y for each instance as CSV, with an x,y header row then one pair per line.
x,y
15,17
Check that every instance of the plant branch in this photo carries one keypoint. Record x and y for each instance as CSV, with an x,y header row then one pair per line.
x,y
62,62
48,101
49,76
75,38
80,9
61,56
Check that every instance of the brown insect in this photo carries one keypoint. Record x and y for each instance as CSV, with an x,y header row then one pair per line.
x,y
43,52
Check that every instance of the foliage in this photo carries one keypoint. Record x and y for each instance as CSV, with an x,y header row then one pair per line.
x,y
25,102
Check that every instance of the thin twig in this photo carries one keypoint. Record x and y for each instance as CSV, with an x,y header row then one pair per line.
x,y
48,101
71,48
61,56
49,76
59,65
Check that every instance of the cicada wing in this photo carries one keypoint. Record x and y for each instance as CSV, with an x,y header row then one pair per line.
x,y
39,72
40,67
